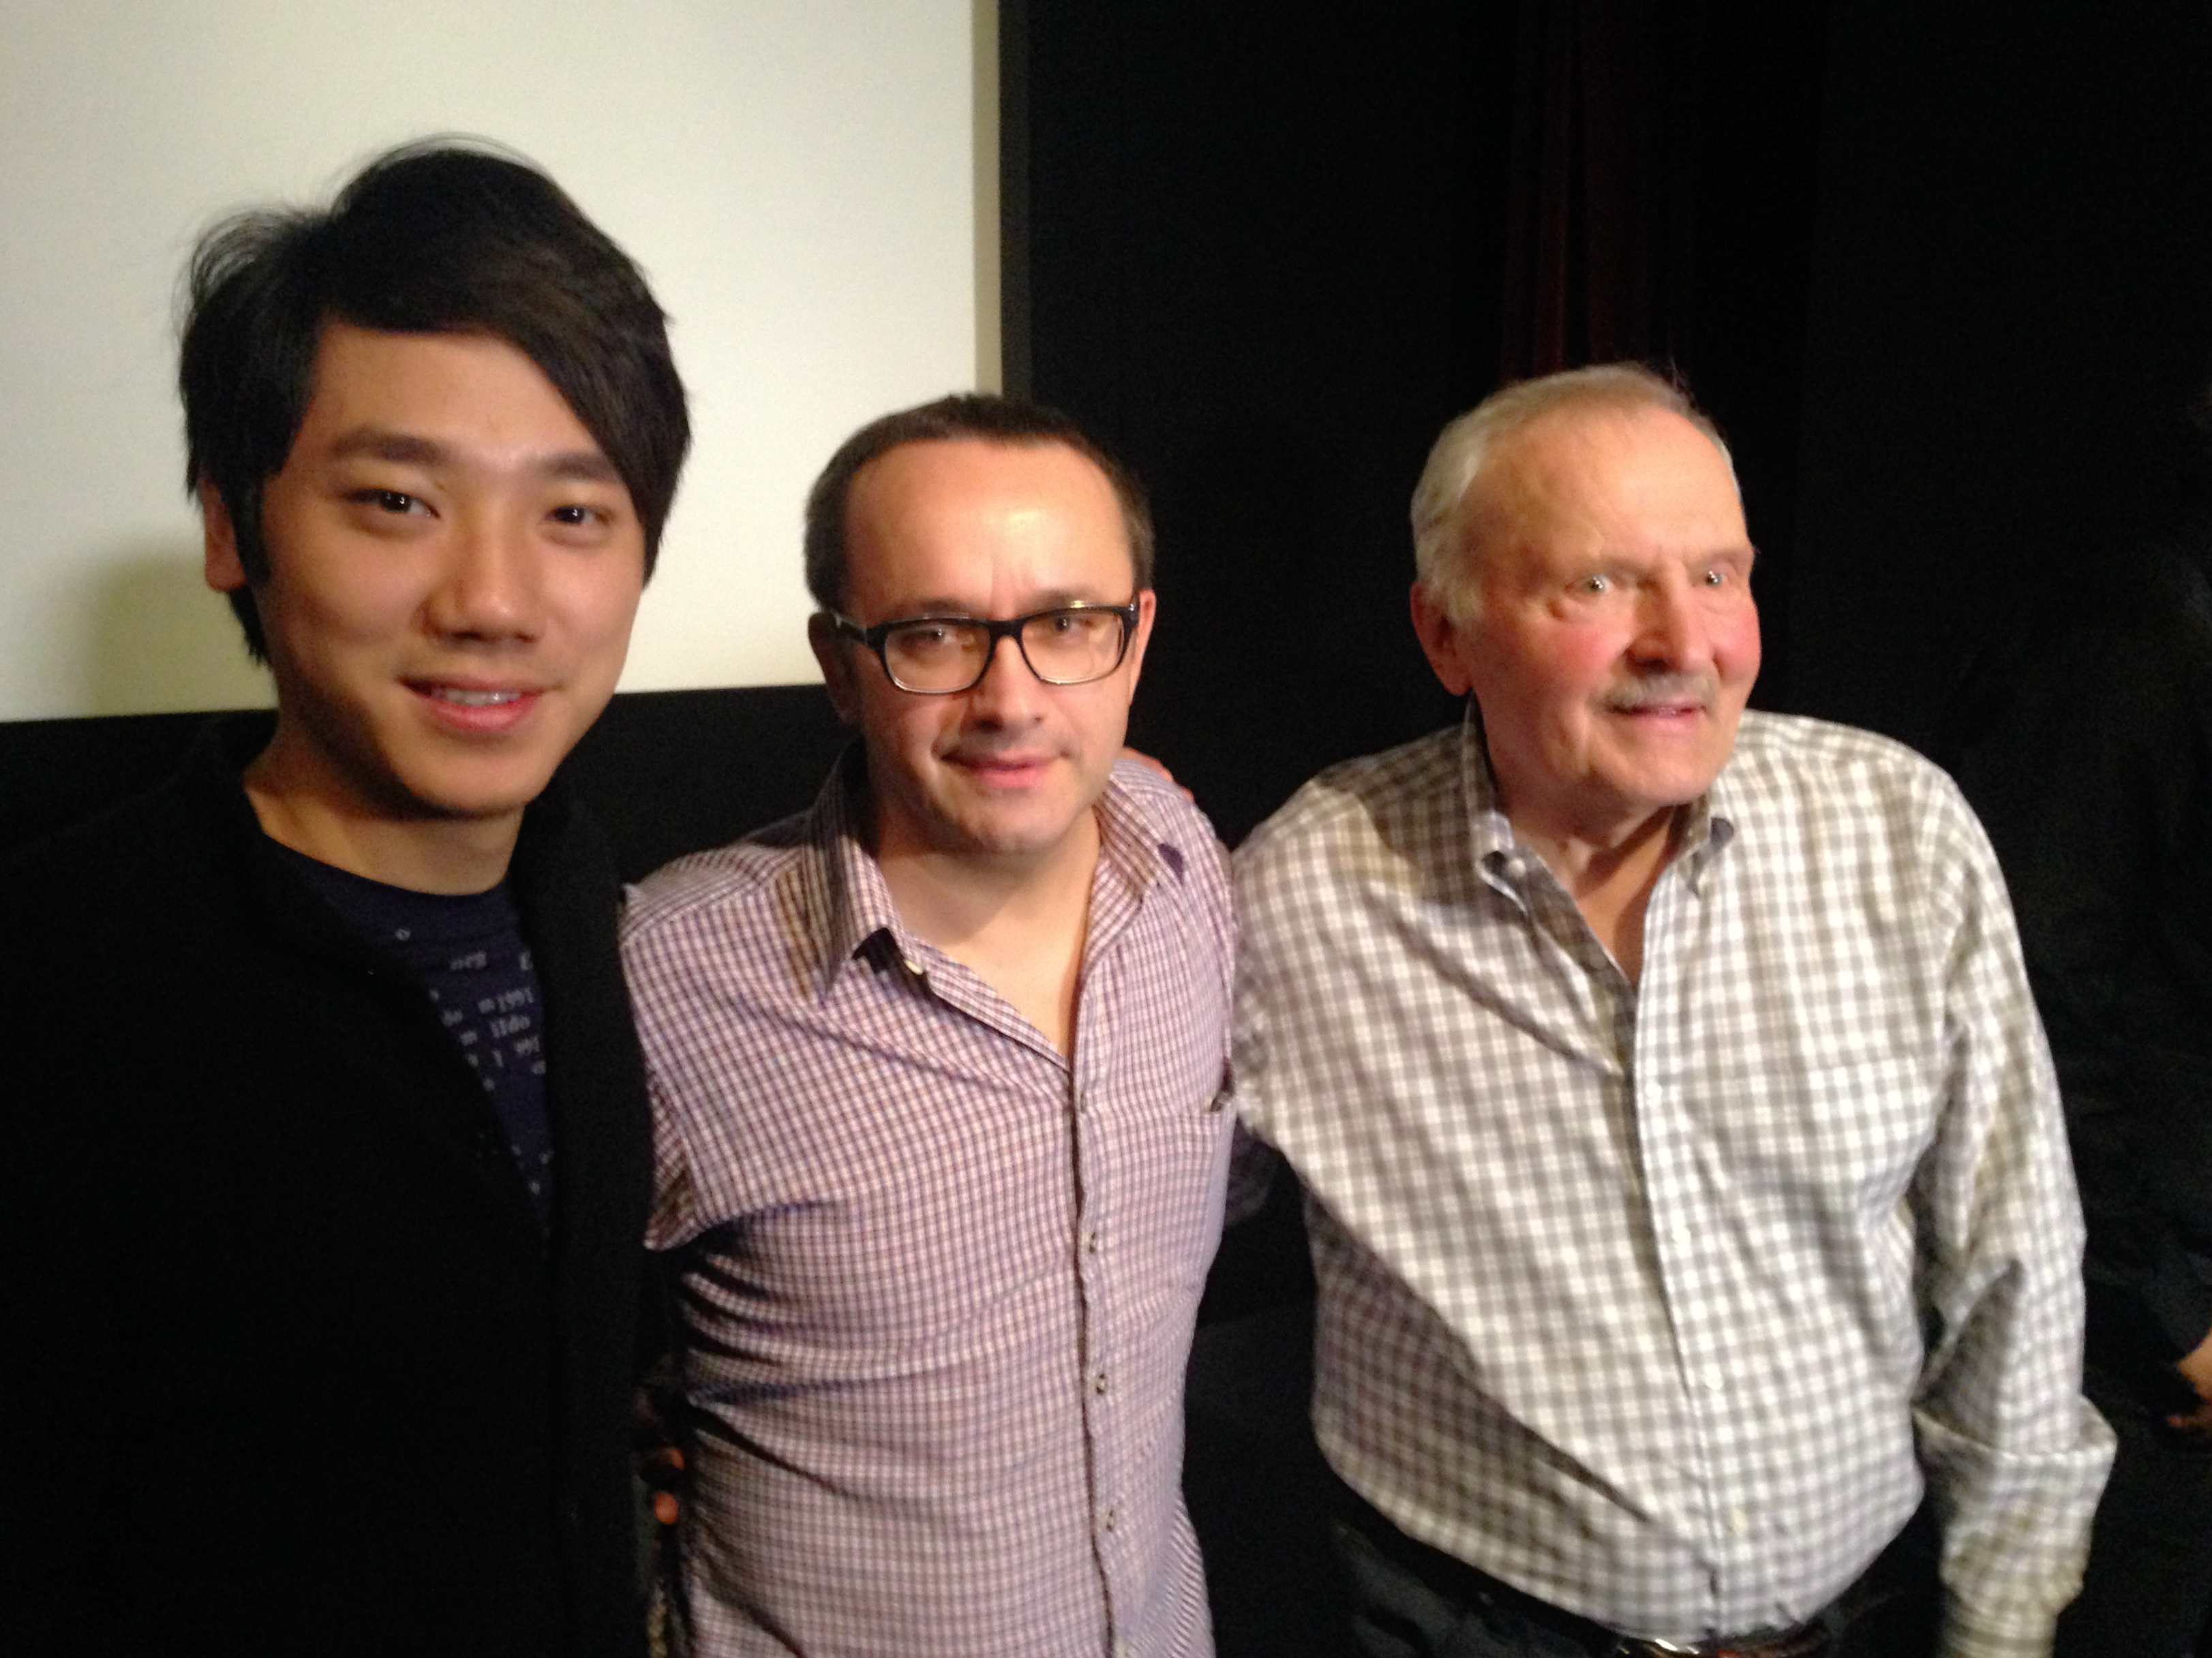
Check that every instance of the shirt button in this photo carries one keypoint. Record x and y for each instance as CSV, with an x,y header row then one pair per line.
x,y
1739,1522
1091,1240
1109,1520
1098,1381
1712,1382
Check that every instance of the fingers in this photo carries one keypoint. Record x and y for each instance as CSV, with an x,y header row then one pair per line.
x,y
2197,1424
662,1469
1144,759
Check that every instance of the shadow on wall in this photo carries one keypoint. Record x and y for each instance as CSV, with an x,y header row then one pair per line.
x,y
158,639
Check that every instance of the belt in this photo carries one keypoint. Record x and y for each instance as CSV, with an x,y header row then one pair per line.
x,y
1457,1580
1806,1641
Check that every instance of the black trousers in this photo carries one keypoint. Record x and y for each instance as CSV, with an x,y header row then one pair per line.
x,y
1405,1599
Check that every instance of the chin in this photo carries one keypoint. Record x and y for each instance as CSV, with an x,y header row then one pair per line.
x,y
1013,843
475,796
1026,836
1665,794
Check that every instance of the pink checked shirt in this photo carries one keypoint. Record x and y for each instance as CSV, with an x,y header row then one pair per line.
x,y
938,1282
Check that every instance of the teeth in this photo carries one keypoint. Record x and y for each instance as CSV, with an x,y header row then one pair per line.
x,y
474,699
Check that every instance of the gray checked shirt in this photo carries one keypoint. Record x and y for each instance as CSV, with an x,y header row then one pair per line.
x,y
1659,1301
937,1283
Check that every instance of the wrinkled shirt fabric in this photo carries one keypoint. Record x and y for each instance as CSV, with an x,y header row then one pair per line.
x,y
1660,1300
937,1281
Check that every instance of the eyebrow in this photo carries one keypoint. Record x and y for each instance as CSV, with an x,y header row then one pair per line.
x,y
409,449
959,609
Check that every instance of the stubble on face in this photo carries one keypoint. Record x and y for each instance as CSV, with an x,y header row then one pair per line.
x,y
1003,776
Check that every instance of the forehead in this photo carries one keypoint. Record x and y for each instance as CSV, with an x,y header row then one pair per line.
x,y
971,512
1624,478
467,391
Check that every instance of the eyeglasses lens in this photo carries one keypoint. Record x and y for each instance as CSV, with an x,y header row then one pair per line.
x,y
1069,646
935,656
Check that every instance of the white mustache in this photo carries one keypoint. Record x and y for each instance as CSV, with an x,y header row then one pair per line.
x,y
1702,688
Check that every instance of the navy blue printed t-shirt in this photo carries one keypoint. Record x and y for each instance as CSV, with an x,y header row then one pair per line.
x,y
467,951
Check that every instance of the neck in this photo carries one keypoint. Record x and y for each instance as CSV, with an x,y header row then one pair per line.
x,y
1017,923
947,896
422,853
1610,877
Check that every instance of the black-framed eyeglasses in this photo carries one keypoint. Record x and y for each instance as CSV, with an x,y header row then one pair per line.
x,y
937,655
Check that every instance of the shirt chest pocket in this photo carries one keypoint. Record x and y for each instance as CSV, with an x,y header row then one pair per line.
x,y
1840,1131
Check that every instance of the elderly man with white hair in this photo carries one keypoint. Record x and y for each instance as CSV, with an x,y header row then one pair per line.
x,y
1687,1189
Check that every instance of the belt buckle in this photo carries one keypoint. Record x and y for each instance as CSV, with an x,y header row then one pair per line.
x,y
1806,1641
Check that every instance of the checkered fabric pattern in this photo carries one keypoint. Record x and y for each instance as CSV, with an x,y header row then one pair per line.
x,y
938,1282
1657,1300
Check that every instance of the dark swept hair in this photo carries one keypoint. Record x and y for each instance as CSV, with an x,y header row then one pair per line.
x,y
979,415
439,236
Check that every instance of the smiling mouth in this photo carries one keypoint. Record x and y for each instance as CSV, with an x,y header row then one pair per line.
x,y
988,765
467,699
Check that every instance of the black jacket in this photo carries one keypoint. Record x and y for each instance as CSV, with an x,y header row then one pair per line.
x,y
289,1365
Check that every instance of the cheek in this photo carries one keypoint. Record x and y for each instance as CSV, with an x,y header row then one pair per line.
x,y
1561,673
594,608
335,604
1738,646
907,729
1102,719
606,615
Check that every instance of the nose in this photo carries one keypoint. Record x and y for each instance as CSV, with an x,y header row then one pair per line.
x,y
1007,692
490,587
1672,635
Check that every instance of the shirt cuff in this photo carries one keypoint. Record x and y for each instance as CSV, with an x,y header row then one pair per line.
x,y
1965,1636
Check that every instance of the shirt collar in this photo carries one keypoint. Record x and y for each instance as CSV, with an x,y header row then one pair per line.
x,y
852,902
1489,830
1709,823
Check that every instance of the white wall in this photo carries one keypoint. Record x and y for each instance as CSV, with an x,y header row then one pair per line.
x,y
799,178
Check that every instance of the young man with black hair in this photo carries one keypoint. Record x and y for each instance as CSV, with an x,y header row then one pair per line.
x,y
325,1161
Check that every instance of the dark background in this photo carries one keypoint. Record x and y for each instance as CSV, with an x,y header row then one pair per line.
x,y
1942,272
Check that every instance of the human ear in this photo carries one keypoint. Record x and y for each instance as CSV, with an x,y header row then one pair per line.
x,y
836,664
224,568
1147,605
1443,638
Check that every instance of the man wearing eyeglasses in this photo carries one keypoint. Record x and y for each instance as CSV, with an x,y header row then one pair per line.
x,y
937,1069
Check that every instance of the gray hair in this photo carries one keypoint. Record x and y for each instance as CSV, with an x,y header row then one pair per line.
x,y
1461,451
